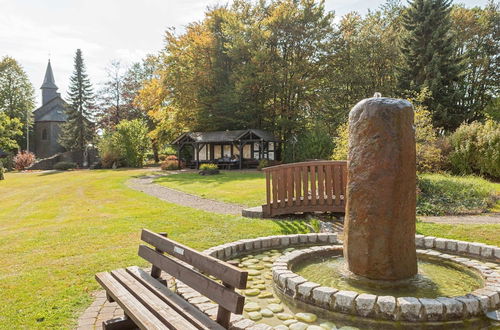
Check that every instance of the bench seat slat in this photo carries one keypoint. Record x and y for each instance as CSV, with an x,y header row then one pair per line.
x,y
181,306
207,264
141,316
155,305
223,296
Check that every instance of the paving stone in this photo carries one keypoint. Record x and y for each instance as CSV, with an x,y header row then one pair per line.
x,y
409,308
365,304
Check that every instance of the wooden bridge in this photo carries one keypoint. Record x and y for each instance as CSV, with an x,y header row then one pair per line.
x,y
315,186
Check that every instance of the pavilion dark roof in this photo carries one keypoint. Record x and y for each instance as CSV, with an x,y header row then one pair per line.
x,y
225,136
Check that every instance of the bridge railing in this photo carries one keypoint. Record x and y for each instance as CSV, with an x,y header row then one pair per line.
x,y
305,187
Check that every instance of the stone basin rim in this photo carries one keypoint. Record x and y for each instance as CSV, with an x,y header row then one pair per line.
x,y
249,246
412,309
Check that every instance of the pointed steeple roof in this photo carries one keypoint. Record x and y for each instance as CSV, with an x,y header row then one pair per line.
x,y
49,81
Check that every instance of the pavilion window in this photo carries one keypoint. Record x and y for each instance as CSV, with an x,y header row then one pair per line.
x,y
247,151
217,151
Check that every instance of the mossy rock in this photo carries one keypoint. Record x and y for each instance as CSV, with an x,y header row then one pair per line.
x,y
264,295
267,312
252,307
276,308
251,292
254,316
306,317
284,316
254,272
298,326
328,326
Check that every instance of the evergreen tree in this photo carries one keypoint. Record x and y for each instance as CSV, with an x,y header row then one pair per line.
x,y
429,60
79,130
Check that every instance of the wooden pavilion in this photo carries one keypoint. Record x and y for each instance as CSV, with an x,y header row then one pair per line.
x,y
229,149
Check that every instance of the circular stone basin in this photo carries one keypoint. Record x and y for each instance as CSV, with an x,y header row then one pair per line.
x,y
435,278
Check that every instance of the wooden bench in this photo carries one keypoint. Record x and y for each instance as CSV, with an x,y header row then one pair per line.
x,y
149,304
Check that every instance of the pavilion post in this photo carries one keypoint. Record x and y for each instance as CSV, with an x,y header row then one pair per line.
x,y
240,148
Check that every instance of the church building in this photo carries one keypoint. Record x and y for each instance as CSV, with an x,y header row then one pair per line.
x,y
48,118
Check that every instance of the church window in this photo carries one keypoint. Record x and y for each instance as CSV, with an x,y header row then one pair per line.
x,y
44,134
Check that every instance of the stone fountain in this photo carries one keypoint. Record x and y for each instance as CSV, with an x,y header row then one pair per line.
x,y
382,276
381,192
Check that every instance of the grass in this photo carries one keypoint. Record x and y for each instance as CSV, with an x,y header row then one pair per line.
x,y
58,230
440,193
247,188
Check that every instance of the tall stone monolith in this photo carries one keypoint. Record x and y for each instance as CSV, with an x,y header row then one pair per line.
x,y
379,231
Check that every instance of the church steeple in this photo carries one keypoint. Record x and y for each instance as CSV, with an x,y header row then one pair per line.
x,y
49,88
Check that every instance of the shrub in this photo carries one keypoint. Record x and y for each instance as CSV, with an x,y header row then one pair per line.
x,y
445,194
2,171
169,165
64,166
428,152
126,146
341,142
23,160
476,149
171,157
208,167
133,141
262,164
162,157
313,143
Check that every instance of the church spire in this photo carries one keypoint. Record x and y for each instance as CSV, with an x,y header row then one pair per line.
x,y
49,88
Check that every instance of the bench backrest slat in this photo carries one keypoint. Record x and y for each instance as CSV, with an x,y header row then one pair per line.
x,y
225,297
222,270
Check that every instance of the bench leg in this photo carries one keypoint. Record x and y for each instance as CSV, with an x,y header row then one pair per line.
x,y
120,323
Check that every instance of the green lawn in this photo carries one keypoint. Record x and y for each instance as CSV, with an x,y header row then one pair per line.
x,y
58,230
247,188
440,193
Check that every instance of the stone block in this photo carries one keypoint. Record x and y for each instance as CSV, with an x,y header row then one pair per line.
x,y
285,241
492,294
312,238
496,253
409,309
293,282
462,247
365,304
304,289
440,243
323,238
386,307
282,279
432,309
453,308
324,296
471,305
451,245
303,239
419,241
475,248
333,238
487,251
344,301
484,301
294,239
429,242
266,243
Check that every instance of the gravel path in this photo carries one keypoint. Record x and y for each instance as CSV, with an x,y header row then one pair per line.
x,y
487,218
146,185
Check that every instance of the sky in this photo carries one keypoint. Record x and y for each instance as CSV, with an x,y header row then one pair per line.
x,y
31,31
